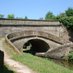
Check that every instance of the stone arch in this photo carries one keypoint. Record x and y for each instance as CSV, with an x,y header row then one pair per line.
x,y
36,46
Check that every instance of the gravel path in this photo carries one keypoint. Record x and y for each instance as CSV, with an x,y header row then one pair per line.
x,y
14,65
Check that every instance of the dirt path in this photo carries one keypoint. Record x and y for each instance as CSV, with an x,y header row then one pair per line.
x,y
14,65
18,67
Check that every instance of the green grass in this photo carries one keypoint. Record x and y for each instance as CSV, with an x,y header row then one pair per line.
x,y
41,65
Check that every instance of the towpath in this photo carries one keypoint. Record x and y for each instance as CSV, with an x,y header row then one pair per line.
x,y
14,65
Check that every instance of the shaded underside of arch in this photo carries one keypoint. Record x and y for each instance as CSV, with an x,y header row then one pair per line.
x,y
35,46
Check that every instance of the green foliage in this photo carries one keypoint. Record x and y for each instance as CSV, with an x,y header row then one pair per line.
x,y
67,18
69,12
70,56
26,17
61,15
41,65
10,16
67,21
49,16
1,15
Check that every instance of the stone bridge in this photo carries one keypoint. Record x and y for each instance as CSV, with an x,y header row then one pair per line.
x,y
20,38
34,36
39,42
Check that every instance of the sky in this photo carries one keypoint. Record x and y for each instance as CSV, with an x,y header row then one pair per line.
x,y
33,9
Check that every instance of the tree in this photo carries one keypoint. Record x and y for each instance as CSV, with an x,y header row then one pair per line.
x,y
10,16
69,12
26,17
49,15
61,15
67,18
1,15
68,22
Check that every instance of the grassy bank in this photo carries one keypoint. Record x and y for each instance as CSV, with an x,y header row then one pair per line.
x,y
36,63
41,65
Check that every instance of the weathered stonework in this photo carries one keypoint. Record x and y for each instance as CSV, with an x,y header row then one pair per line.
x,y
15,25
51,32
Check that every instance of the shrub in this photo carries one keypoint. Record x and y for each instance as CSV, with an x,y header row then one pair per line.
x,y
67,21
70,56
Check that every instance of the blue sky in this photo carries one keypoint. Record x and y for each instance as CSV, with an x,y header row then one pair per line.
x,y
33,9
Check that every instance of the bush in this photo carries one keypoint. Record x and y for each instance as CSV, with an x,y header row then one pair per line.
x,y
70,56
67,21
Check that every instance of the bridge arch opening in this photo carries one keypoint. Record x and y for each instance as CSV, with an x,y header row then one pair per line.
x,y
34,46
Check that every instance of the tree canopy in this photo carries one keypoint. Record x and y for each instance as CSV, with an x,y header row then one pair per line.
x,y
1,15
69,12
49,16
65,18
26,17
61,15
10,16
